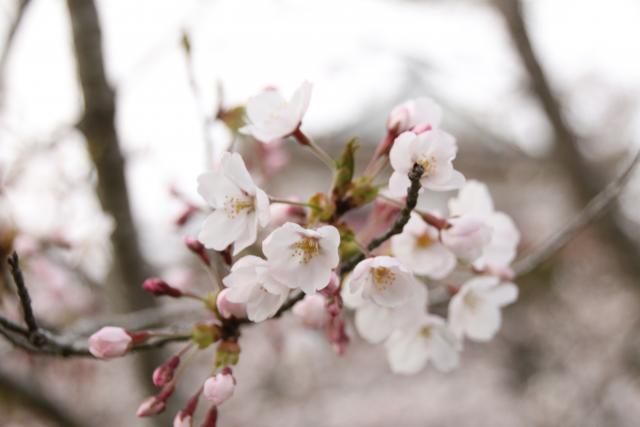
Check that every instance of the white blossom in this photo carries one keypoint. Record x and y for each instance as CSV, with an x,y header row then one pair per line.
x,y
250,283
475,311
375,323
467,236
302,258
419,248
271,117
415,112
382,280
474,199
435,151
238,206
429,340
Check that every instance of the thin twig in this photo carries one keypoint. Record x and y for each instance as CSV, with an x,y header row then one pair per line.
x,y
592,210
23,294
397,227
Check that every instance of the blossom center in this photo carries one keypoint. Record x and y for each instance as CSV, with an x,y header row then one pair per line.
x,y
234,206
471,300
382,277
426,331
428,165
424,241
306,249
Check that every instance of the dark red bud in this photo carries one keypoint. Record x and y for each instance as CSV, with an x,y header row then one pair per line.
x,y
159,287
197,248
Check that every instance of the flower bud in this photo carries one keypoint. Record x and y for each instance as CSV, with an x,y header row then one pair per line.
x,y
182,420
312,311
163,374
228,309
219,388
197,248
467,237
399,119
110,342
150,407
421,128
159,287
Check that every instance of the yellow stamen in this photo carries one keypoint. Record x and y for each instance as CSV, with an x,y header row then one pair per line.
x,y
429,165
426,331
306,248
382,278
424,241
235,205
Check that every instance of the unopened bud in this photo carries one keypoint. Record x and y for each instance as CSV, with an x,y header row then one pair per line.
x,y
195,246
219,388
155,404
163,374
312,311
228,309
110,342
399,119
159,287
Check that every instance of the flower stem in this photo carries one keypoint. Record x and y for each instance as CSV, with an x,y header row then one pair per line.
x,y
319,152
293,203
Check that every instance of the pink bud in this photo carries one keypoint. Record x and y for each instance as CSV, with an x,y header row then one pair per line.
x,y
182,420
150,407
109,342
159,287
399,119
164,373
467,236
197,248
219,388
186,215
312,311
228,309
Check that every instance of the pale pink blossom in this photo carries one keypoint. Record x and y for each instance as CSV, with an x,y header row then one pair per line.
x,y
415,112
110,342
419,248
475,310
429,340
382,280
219,388
435,151
251,284
270,117
228,309
467,236
474,199
312,311
239,207
302,258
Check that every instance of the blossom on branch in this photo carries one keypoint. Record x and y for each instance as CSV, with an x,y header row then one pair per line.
x,y
271,117
250,283
435,151
475,310
238,206
419,248
302,258
110,342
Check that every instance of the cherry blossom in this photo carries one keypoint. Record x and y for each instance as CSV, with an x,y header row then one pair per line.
x,y
475,310
419,248
474,199
228,309
110,342
429,340
467,236
375,323
239,206
435,151
271,117
219,388
383,280
312,311
251,283
412,113
302,258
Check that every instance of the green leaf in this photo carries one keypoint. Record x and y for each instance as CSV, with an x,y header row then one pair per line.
x,y
344,169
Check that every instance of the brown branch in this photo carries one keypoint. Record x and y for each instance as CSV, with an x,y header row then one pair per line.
x,y
36,401
567,147
23,294
597,206
397,227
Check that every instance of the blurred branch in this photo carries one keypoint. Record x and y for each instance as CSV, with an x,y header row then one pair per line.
x,y
36,401
597,206
582,175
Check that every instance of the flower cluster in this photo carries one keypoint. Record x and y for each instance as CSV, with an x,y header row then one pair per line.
x,y
318,262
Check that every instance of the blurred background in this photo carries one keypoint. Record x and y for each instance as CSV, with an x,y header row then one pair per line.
x,y
106,123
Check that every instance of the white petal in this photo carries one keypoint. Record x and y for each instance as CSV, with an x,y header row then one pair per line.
x,y
444,349
374,323
399,183
264,306
425,111
474,198
407,352
401,152
214,187
260,107
503,294
234,168
219,231
483,322
300,100
262,207
248,235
